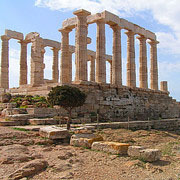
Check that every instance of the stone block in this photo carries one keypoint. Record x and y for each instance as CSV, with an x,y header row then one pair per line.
x,y
43,121
150,155
84,140
111,147
54,133
14,34
134,151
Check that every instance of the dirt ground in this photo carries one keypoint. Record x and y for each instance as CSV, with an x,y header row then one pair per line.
x,y
67,162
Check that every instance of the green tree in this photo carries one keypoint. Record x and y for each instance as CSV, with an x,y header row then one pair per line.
x,y
67,97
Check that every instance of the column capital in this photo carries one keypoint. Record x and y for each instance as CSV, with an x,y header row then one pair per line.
x,y
55,49
141,38
115,27
81,12
5,38
153,42
100,21
23,42
67,30
130,33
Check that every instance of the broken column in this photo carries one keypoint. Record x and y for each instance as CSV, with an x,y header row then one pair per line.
x,y
92,70
154,65
23,63
143,82
55,66
164,86
100,52
4,67
116,59
66,61
81,45
131,71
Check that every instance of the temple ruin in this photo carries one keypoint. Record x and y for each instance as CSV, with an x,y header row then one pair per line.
x,y
119,95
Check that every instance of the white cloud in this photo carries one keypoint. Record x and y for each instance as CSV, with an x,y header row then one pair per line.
x,y
163,11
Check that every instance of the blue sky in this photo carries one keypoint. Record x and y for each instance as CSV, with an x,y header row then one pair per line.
x,y
46,16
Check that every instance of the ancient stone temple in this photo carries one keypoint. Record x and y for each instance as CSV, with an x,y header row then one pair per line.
x,y
114,100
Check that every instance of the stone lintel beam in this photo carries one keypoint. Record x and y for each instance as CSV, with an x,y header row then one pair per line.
x,y
51,43
143,76
14,34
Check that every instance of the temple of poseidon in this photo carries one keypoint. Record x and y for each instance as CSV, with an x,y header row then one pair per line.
x,y
114,100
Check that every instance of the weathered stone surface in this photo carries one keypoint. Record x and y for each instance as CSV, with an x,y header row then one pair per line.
x,y
134,151
14,34
30,169
43,121
84,140
150,155
111,147
53,132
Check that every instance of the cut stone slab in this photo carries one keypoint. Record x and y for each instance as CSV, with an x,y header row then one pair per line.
x,y
9,123
49,121
134,151
54,132
16,117
84,140
84,130
111,147
150,155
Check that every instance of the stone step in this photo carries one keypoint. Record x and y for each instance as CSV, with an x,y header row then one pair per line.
x,y
9,123
48,121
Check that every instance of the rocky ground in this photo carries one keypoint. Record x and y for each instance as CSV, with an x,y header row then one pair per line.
x,y
25,152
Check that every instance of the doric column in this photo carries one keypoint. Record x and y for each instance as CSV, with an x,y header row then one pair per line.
x,y
92,70
55,66
116,59
131,70
110,62
37,65
4,67
70,65
23,63
164,86
65,58
143,79
154,65
100,52
81,45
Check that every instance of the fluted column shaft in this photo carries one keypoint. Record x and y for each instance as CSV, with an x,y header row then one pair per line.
x,y
55,66
4,67
92,70
164,86
116,59
81,45
154,65
110,72
23,63
143,78
131,70
70,66
100,52
65,60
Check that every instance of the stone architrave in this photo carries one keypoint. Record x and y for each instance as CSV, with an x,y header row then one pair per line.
x,y
23,63
143,77
81,45
4,66
131,71
116,59
55,66
154,65
100,52
65,66
92,70
37,65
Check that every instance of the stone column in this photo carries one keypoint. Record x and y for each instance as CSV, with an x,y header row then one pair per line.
x,y
164,86
116,59
23,63
37,65
70,65
143,79
131,71
92,70
100,52
4,66
154,65
81,45
110,62
55,66
65,69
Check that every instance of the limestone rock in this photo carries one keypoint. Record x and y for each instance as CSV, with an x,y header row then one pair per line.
x,y
111,147
5,98
84,140
134,151
30,169
150,155
54,133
